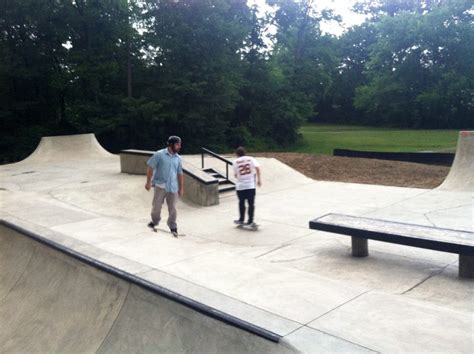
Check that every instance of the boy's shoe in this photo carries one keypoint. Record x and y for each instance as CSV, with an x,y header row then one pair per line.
x,y
238,222
152,226
174,232
251,224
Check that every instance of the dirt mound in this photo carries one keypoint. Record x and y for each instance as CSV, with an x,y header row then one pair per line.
x,y
359,170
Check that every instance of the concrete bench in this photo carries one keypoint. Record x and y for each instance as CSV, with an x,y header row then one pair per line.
x,y
362,229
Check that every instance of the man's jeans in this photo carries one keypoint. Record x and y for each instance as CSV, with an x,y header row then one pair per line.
x,y
158,200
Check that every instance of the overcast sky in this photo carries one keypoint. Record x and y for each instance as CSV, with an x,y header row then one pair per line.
x,y
340,7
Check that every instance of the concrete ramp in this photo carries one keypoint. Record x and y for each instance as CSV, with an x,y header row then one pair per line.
x,y
51,302
276,174
461,174
67,147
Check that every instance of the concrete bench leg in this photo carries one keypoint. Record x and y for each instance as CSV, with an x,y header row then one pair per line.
x,y
466,266
360,247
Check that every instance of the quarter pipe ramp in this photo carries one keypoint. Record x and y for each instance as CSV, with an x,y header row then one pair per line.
x,y
461,174
50,302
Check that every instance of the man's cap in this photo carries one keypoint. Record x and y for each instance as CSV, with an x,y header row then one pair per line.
x,y
173,139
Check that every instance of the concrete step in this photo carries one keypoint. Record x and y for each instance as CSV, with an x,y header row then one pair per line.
x,y
226,188
222,180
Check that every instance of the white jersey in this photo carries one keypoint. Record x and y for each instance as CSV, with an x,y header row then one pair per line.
x,y
245,168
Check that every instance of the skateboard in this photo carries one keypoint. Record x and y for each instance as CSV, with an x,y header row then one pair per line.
x,y
155,229
248,227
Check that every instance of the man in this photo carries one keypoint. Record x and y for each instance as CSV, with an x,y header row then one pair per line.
x,y
246,170
165,175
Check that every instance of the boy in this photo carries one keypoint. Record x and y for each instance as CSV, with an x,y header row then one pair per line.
x,y
246,171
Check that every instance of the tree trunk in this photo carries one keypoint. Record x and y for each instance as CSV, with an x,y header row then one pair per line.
x,y
129,70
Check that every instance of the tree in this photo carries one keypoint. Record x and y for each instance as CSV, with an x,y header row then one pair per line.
x,y
353,55
33,78
305,56
380,8
136,71
420,72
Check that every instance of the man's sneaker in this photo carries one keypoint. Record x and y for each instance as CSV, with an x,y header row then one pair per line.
x,y
174,232
152,226
251,224
238,222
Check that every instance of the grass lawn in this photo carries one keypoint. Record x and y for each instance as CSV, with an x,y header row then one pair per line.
x,y
322,138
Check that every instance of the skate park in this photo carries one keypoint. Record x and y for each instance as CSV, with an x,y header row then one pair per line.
x,y
77,258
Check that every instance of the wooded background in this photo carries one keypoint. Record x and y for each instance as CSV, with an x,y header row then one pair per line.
x,y
219,74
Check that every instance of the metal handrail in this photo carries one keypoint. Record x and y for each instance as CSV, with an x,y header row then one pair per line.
x,y
217,156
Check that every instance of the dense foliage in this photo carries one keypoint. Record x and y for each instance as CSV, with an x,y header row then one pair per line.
x,y
220,74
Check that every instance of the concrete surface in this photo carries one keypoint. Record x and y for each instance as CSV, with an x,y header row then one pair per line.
x,y
52,303
407,326
460,176
300,284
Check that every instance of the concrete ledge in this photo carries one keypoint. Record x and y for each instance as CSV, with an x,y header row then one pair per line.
x,y
200,188
429,237
134,161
